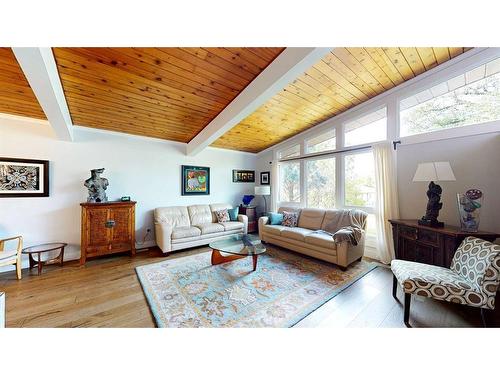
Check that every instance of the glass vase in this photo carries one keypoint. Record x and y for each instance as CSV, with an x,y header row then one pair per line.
x,y
469,210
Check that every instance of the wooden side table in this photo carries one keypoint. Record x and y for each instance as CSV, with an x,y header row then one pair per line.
x,y
251,213
39,249
423,244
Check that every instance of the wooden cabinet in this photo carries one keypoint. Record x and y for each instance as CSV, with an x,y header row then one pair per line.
x,y
251,213
423,244
107,228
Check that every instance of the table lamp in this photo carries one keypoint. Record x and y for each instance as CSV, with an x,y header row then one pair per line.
x,y
263,190
434,171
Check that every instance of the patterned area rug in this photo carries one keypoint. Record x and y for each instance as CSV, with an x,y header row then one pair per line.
x,y
285,288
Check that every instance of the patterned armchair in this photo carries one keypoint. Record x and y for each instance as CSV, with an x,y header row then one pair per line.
x,y
472,279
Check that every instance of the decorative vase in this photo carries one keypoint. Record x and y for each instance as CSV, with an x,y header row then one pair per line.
x,y
469,209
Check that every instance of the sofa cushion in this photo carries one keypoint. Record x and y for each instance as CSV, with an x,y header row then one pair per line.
x,y
275,218
176,216
232,225
183,232
290,219
311,218
233,213
210,228
218,207
222,216
321,239
200,214
295,233
274,230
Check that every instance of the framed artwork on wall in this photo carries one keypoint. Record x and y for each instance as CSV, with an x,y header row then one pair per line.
x,y
243,175
195,180
265,178
24,178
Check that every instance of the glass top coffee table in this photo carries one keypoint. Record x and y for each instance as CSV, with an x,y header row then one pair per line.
x,y
237,246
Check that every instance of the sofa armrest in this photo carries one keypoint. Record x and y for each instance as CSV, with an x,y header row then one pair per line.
x,y
263,220
163,233
244,219
348,253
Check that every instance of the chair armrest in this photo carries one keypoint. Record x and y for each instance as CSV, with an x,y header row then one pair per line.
x,y
163,234
244,219
19,243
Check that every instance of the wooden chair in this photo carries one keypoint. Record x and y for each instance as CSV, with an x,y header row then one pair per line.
x,y
8,257
472,279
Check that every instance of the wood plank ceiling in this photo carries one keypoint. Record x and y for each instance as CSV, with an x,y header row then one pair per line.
x,y
341,80
168,93
16,96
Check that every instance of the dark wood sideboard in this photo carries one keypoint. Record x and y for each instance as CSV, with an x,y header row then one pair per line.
x,y
419,243
107,228
251,213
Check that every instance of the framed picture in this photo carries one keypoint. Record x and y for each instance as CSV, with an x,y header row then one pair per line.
x,y
265,178
195,180
24,178
243,176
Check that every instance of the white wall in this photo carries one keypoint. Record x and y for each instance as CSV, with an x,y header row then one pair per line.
x,y
147,170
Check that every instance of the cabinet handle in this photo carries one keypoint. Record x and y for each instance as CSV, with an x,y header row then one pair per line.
x,y
109,224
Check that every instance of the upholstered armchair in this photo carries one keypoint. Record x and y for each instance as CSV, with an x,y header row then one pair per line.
x,y
472,278
11,256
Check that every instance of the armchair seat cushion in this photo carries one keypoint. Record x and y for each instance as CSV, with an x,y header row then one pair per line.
x,y
232,225
210,228
436,282
184,232
4,255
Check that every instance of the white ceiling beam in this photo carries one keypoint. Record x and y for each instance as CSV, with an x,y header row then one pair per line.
x,y
40,69
284,69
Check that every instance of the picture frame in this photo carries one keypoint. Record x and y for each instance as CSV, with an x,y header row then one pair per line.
x,y
23,178
265,178
195,180
241,175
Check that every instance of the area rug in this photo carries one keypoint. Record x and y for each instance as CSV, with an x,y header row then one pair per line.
x,y
285,288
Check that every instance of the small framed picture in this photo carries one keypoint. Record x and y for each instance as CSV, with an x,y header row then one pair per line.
x,y
243,176
195,180
265,178
24,178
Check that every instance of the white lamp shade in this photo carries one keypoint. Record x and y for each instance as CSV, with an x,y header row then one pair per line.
x,y
263,190
434,171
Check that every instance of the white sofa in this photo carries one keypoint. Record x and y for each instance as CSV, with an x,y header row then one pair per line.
x,y
181,227
304,238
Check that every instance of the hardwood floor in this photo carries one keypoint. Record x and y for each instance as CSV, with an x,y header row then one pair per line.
x,y
106,293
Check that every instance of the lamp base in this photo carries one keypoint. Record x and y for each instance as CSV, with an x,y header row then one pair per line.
x,y
430,223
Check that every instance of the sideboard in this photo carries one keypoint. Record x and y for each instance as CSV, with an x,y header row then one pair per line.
x,y
423,244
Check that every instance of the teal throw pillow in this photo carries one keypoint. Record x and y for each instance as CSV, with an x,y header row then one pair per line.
x,y
233,213
275,218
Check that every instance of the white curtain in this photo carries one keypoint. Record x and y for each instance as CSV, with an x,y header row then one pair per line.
x,y
274,186
386,206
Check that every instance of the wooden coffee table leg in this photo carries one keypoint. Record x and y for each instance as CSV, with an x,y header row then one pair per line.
x,y
61,257
39,264
32,261
218,258
255,256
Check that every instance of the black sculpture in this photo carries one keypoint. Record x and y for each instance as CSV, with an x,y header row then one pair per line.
x,y
433,207
97,186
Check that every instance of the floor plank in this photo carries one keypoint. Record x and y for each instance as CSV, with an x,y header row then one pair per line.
x,y
106,293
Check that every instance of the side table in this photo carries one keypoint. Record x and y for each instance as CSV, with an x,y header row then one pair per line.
x,y
44,248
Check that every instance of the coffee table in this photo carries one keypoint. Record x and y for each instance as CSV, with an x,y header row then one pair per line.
x,y
238,246
39,249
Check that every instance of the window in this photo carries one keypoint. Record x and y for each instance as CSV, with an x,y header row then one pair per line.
x,y
470,98
320,183
359,185
289,152
289,182
367,129
323,142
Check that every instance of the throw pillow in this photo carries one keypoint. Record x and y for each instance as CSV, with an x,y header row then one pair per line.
x,y
275,218
222,216
290,219
233,213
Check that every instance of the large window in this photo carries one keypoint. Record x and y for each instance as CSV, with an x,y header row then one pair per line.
x,y
320,143
470,98
289,152
289,182
367,129
359,186
320,183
